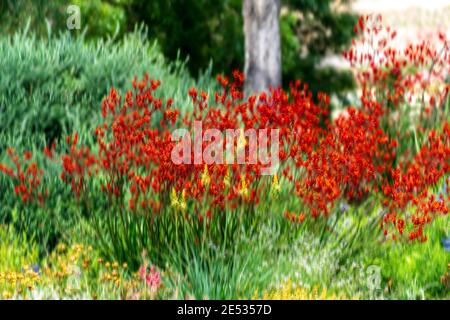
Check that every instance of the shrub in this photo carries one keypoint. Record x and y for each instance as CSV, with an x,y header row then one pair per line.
x,y
49,86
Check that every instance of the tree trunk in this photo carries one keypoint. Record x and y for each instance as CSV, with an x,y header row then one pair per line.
x,y
262,45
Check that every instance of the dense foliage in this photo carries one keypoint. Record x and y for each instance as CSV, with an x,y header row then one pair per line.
x,y
364,191
50,88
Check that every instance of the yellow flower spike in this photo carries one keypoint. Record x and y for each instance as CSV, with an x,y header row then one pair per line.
x,y
182,202
205,178
107,265
173,198
243,191
115,265
125,265
242,142
276,188
227,179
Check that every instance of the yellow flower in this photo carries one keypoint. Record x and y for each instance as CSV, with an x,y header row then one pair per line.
x,y
178,203
182,201
243,191
289,291
227,179
276,188
242,142
205,178
85,264
173,198
7,295
12,276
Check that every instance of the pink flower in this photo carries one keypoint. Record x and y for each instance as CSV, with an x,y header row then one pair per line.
x,y
153,279
143,272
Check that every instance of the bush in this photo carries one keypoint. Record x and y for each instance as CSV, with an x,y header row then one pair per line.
x,y
51,86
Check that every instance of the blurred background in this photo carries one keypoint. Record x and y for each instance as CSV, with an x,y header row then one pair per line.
x,y
201,32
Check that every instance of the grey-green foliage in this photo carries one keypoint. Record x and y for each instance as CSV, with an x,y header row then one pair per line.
x,y
52,86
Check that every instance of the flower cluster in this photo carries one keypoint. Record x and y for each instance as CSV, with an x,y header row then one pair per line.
x,y
135,145
18,282
71,271
151,277
26,177
290,291
360,153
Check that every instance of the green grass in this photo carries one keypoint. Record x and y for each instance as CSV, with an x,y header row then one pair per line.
x,y
416,269
16,250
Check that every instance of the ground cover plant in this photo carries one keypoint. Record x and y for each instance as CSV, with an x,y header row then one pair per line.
x,y
357,207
